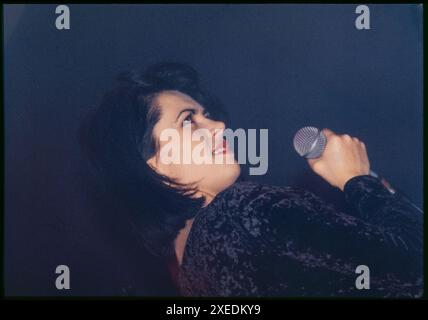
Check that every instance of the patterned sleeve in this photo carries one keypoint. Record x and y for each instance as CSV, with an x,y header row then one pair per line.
x,y
298,245
371,201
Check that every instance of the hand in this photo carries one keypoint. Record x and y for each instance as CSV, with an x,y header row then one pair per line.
x,y
344,157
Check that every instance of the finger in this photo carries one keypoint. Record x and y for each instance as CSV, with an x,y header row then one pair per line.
x,y
327,132
346,137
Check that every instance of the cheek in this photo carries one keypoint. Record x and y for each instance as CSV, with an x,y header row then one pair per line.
x,y
205,172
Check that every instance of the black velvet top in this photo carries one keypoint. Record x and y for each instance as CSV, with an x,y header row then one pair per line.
x,y
260,240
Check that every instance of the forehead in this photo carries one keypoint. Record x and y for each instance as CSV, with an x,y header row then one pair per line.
x,y
171,102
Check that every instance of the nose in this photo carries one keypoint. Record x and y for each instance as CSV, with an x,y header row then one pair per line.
x,y
215,126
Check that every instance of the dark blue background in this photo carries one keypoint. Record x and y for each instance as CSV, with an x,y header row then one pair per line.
x,y
279,67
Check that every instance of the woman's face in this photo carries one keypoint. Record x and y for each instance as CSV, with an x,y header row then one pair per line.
x,y
182,115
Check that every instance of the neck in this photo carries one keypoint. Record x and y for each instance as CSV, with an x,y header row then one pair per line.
x,y
180,241
207,195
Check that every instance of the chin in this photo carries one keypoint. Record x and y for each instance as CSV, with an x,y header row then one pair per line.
x,y
231,173
220,179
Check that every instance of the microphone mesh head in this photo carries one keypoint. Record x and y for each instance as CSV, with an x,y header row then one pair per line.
x,y
309,142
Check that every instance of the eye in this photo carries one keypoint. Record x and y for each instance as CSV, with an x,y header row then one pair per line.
x,y
189,117
207,114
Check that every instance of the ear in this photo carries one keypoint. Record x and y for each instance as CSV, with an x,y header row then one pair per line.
x,y
156,166
152,163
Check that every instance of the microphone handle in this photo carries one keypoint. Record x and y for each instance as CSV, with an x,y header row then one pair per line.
x,y
373,174
394,190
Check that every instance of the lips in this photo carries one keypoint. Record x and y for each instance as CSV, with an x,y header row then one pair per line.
x,y
221,148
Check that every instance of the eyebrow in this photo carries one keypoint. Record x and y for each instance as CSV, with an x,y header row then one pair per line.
x,y
184,110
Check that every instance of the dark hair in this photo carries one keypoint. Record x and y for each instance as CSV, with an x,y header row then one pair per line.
x,y
118,139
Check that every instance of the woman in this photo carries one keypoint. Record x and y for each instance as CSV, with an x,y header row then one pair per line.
x,y
232,238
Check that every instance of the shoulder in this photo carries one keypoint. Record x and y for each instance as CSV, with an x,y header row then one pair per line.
x,y
249,196
247,206
231,231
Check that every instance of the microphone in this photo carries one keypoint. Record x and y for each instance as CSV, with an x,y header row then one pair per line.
x,y
310,142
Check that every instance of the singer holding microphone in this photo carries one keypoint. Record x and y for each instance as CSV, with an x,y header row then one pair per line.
x,y
222,236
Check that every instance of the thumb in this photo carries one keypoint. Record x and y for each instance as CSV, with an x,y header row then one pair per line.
x,y
311,162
